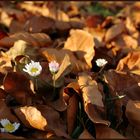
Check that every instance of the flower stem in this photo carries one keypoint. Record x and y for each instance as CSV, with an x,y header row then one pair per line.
x,y
35,84
53,86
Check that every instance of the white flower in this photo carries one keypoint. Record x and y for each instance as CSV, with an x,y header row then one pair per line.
x,y
101,62
33,68
53,66
8,126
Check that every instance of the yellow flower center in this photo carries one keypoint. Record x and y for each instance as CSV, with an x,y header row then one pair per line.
x,y
34,69
9,127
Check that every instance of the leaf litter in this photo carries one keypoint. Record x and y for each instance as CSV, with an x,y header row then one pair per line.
x,y
82,99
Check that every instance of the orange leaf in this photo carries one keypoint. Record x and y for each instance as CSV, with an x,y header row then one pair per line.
x,y
41,117
81,42
130,63
92,99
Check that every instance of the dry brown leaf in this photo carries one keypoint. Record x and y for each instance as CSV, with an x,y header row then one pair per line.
x,y
123,84
3,94
130,63
18,86
92,99
16,27
21,47
65,67
43,24
43,135
5,112
94,21
9,136
45,11
37,39
90,91
72,113
17,13
34,9
54,54
41,117
5,63
133,113
80,55
130,26
85,135
55,123
59,104
72,86
125,43
81,42
114,31
31,117
104,132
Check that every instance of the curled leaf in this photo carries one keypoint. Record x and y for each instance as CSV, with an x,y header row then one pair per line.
x,y
130,63
92,99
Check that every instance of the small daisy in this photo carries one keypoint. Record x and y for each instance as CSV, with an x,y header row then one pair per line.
x,y
53,67
8,126
101,62
33,68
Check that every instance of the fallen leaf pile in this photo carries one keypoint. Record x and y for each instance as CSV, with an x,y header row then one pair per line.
x,y
90,101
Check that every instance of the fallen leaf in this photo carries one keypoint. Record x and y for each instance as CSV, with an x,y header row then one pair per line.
x,y
18,86
85,135
92,99
43,24
114,31
9,136
93,21
3,94
59,104
64,69
104,132
5,63
130,63
72,110
90,91
37,39
22,48
81,42
41,117
133,113
43,135
55,123
44,11
123,84
77,65
6,113
31,117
